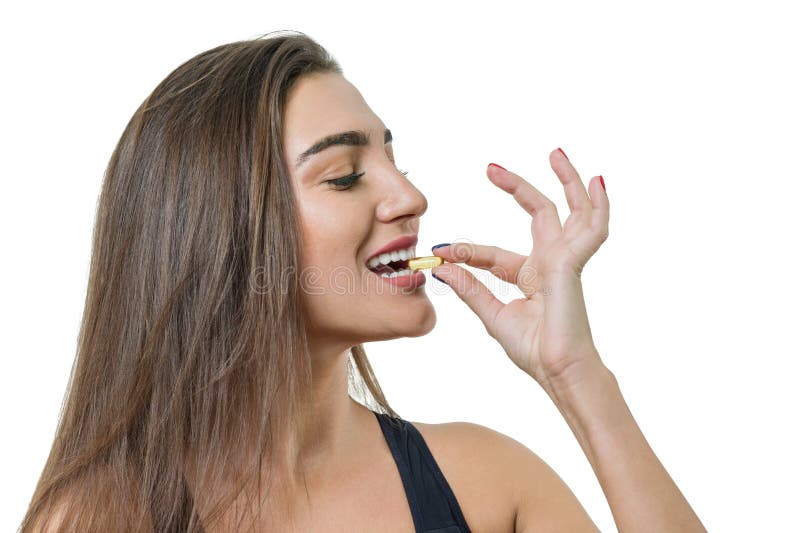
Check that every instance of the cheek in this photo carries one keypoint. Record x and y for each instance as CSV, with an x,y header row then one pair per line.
x,y
335,226
330,246
321,238
334,232
314,223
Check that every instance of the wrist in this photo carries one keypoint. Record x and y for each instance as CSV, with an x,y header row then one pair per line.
x,y
587,392
587,373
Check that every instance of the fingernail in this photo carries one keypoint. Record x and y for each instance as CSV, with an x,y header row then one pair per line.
x,y
496,165
437,277
603,183
440,245
562,153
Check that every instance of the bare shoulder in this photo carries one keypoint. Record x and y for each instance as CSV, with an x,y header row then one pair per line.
x,y
500,483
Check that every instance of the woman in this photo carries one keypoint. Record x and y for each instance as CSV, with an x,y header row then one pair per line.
x,y
232,285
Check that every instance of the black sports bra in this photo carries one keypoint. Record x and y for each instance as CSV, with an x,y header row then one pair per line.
x,y
433,505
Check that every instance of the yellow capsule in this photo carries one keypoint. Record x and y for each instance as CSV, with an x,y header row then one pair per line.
x,y
419,263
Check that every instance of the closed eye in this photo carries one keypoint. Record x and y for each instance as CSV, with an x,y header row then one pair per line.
x,y
347,182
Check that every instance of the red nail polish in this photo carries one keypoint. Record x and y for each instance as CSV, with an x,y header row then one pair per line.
x,y
496,165
603,183
562,153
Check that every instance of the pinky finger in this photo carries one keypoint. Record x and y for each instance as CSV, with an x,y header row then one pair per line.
x,y
600,205
597,232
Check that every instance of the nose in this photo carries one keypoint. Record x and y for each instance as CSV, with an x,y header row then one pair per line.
x,y
400,198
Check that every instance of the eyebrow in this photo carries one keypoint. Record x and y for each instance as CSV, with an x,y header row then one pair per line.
x,y
348,138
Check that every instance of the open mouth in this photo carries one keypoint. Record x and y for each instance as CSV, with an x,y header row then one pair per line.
x,y
391,264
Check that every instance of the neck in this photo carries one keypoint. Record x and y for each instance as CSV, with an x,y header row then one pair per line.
x,y
327,447
328,433
326,441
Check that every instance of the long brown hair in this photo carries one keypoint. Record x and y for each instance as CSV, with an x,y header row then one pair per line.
x,y
192,339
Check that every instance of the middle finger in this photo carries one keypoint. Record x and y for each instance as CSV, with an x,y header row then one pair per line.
x,y
545,226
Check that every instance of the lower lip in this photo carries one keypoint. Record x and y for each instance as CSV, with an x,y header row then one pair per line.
x,y
417,279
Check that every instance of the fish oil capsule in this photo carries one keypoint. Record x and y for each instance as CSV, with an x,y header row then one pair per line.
x,y
419,263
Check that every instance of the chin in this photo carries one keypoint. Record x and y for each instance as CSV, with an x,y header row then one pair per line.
x,y
414,326
425,326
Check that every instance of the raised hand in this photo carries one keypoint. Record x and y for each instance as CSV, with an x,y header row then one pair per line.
x,y
546,333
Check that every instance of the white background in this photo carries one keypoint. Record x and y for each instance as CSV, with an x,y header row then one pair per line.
x,y
688,109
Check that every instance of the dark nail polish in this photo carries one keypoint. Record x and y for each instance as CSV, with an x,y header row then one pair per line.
x,y
440,245
437,277
603,183
496,165
562,153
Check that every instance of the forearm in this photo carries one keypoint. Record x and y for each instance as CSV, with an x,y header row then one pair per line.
x,y
640,492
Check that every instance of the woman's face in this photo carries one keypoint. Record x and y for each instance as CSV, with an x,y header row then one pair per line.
x,y
344,227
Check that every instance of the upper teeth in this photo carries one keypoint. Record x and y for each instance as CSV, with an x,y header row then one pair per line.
x,y
388,257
